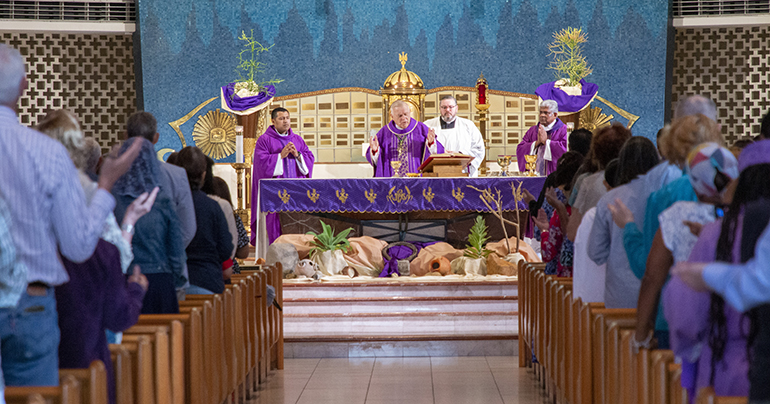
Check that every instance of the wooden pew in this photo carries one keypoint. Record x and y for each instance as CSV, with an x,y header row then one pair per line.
x,y
262,357
124,380
660,360
249,328
614,355
142,371
169,358
196,376
69,391
600,322
212,381
93,382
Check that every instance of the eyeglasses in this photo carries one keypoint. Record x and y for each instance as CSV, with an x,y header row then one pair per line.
x,y
448,106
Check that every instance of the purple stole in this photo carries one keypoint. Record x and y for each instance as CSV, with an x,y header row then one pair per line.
x,y
413,139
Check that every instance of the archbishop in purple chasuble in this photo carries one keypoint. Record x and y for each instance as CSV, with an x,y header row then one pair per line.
x,y
268,163
547,140
409,146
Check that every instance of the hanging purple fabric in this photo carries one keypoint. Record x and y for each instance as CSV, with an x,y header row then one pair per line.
x,y
400,252
236,103
568,103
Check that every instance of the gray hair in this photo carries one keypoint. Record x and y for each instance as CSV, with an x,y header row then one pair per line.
x,y
552,105
448,97
696,104
12,72
398,104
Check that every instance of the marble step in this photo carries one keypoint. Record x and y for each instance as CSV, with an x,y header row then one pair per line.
x,y
459,324
399,289
400,304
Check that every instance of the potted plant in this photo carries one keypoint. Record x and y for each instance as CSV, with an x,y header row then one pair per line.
x,y
473,261
328,249
569,64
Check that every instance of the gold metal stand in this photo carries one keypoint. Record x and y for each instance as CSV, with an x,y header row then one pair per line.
x,y
243,199
482,105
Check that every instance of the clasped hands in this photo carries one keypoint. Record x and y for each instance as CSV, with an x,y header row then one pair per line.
x,y
289,149
542,135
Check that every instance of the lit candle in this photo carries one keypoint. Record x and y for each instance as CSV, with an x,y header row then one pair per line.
x,y
239,144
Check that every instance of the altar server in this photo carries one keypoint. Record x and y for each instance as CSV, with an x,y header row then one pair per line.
x,y
404,140
458,135
547,140
279,153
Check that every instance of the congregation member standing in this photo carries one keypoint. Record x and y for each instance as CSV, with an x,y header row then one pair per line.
x,y
279,153
404,140
157,243
213,243
50,217
458,135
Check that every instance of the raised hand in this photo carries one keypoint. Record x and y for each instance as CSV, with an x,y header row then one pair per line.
x,y
374,144
138,278
140,206
621,215
541,221
528,197
115,166
431,136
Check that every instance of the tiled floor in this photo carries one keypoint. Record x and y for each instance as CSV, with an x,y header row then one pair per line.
x,y
426,380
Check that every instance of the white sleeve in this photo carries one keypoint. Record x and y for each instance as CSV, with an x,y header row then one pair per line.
x,y
532,147
278,168
547,154
301,165
374,155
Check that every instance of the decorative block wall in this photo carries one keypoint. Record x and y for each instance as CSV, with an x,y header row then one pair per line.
x,y
91,75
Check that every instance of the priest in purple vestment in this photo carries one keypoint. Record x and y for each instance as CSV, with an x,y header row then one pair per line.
x,y
403,140
279,153
547,140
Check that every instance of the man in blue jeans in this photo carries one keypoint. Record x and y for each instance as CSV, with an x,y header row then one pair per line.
x,y
50,216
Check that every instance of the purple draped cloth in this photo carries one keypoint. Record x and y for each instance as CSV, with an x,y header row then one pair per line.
x,y
97,297
399,252
267,153
558,145
687,313
416,134
568,103
237,103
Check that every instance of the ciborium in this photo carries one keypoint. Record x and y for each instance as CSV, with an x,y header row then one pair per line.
x,y
531,166
504,162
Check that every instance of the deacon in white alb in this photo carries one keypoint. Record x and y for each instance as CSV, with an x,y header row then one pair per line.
x,y
458,135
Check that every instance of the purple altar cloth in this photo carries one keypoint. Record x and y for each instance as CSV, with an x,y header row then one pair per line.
x,y
388,195
237,103
568,103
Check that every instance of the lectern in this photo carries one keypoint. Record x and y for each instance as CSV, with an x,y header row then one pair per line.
x,y
445,165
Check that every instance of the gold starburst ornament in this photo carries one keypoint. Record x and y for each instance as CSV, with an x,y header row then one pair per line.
x,y
593,118
214,134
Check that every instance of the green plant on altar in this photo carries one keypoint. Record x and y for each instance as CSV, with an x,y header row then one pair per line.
x,y
477,239
250,68
327,241
568,60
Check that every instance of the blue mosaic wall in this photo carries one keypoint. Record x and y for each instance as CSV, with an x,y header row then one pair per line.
x,y
189,48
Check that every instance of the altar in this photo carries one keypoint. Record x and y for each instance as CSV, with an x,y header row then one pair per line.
x,y
385,197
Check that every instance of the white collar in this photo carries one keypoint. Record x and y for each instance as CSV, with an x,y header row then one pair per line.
x,y
549,127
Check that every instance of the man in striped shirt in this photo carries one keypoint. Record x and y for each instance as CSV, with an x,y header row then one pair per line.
x,y
50,217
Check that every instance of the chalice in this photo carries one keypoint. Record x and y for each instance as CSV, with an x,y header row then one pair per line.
x,y
504,162
395,165
531,164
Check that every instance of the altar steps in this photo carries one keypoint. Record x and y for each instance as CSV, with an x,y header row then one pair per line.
x,y
401,319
